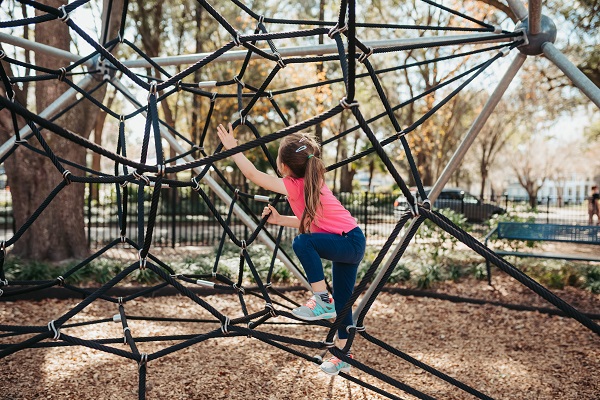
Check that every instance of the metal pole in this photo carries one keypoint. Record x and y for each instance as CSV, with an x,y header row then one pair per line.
x,y
518,8
380,274
51,110
479,122
241,54
219,191
577,77
43,48
459,154
535,16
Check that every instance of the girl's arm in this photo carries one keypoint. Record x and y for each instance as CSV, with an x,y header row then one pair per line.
x,y
284,220
272,183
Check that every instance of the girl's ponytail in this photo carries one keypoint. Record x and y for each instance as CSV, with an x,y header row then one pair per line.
x,y
314,176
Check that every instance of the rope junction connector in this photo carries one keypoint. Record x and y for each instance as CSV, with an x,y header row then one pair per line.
x,y
143,261
196,185
414,209
505,51
122,118
178,85
120,37
427,204
65,175
125,337
161,169
280,61
152,90
3,247
120,300
243,119
328,345
239,288
141,177
271,310
335,30
61,281
4,282
225,325
65,17
261,19
214,97
52,328
358,328
497,29
363,57
270,95
143,360
123,239
237,40
2,54
62,73
237,80
347,105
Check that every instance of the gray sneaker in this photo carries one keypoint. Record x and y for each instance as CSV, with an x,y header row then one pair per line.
x,y
315,309
334,365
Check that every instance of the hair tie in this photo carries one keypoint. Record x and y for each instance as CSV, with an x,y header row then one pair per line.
x,y
310,156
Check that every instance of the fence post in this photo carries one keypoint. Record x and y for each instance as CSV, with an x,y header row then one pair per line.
x,y
366,209
89,212
548,209
173,216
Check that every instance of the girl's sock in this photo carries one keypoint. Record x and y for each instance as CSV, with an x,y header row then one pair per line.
x,y
323,295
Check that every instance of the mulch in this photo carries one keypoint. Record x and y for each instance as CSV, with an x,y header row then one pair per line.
x,y
503,353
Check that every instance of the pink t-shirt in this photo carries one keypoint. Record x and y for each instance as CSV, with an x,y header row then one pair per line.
x,y
331,218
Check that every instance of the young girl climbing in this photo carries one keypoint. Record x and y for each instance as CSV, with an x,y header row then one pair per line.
x,y
327,229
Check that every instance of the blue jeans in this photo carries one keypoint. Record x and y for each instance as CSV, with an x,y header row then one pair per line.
x,y
345,252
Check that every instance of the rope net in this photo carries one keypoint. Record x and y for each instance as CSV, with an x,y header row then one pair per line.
x,y
350,56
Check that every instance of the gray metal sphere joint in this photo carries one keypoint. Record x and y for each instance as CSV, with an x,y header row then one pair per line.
x,y
533,44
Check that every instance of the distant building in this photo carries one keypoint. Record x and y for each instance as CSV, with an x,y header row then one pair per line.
x,y
571,191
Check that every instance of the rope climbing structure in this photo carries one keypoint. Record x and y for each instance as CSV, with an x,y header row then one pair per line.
x,y
351,55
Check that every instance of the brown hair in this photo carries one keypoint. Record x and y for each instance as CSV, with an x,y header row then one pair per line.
x,y
302,155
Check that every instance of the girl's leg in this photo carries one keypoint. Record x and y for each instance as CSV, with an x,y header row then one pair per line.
x,y
344,278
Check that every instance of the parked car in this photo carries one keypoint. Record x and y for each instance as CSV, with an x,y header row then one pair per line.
x,y
457,200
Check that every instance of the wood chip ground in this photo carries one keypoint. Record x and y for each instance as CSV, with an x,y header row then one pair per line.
x,y
503,353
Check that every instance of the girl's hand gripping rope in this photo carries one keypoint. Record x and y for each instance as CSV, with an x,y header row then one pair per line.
x,y
227,136
274,216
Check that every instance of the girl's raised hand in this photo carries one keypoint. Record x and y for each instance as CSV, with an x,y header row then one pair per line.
x,y
226,136
272,213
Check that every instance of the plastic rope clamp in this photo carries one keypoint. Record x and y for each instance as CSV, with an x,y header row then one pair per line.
x,y
243,119
65,175
414,210
141,177
335,30
239,288
143,261
161,169
120,37
65,17
62,74
357,328
152,90
120,300
237,40
205,283
261,19
61,281
239,81
2,54
347,105
329,345
271,309
280,61
497,29
505,51
117,318
178,85
143,360
4,282
363,57
125,337
53,329
224,326
427,203
196,185
214,97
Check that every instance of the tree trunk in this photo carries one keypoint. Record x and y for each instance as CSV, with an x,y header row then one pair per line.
x,y
59,232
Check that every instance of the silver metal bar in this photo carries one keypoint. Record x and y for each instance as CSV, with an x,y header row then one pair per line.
x,y
43,48
241,54
466,143
219,191
577,77
381,273
56,106
518,8
535,16
479,122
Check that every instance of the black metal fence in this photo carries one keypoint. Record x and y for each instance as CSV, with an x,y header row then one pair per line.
x,y
185,220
